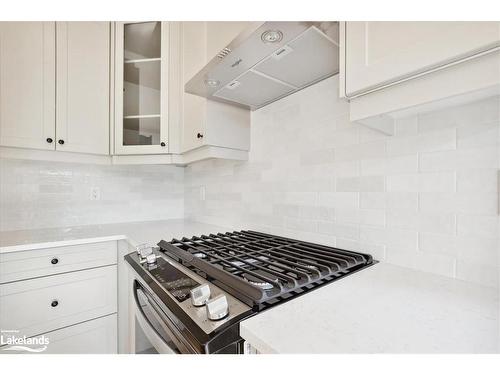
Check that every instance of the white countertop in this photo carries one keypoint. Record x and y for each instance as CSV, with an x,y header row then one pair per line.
x,y
135,232
381,309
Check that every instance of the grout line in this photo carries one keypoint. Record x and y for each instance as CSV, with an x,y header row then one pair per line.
x,y
498,192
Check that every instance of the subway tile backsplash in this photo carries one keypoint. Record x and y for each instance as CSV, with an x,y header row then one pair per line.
x,y
41,194
425,198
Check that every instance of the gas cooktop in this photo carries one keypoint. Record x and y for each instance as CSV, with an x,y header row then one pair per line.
x,y
262,269
202,287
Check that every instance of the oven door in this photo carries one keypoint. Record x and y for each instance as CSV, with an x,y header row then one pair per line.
x,y
155,324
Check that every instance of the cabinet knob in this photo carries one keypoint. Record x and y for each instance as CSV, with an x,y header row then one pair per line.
x,y
199,135
54,261
61,142
49,140
54,303
162,144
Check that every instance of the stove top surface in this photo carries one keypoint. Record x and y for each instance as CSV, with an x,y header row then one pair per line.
x,y
261,269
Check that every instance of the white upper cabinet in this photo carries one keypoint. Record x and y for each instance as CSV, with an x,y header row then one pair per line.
x,y
55,86
194,58
27,84
206,122
83,87
141,88
380,53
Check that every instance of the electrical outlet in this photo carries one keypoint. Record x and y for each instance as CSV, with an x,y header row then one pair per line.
x,y
95,193
202,193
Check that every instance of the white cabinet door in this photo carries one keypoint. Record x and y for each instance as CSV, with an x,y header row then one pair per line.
x,y
98,336
141,87
27,84
206,122
83,87
194,51
377,53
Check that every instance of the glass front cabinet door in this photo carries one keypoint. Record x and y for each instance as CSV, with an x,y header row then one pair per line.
x,y
141,87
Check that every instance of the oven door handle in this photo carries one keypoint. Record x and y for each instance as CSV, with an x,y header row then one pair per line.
x,y
152,334
180,347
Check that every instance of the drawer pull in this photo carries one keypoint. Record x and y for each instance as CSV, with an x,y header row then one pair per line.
x,y
54,261
54,303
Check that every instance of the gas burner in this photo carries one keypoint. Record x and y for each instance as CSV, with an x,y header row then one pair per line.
x,y
264,285
200,255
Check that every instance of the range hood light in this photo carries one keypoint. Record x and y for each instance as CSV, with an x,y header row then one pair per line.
x,y
212,82
271,36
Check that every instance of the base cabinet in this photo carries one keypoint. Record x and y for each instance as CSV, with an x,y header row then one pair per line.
x,y
57,301
68,294
96,336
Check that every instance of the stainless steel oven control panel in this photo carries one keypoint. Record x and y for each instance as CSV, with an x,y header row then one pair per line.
x,y
207,305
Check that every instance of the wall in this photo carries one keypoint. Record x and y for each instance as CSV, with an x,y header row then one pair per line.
x,y
40,194
425,198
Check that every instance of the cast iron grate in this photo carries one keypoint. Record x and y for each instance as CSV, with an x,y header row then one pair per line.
x,y
262,269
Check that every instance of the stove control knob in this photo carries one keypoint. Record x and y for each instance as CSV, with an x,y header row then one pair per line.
x,y
200,295
217,308
144,250
149,259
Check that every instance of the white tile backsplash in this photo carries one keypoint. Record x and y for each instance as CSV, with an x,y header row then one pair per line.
x,y
425,198
41,194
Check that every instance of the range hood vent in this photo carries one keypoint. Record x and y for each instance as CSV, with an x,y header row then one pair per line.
x,y
269,61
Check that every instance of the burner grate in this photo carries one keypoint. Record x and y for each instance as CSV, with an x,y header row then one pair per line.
x,y
260,268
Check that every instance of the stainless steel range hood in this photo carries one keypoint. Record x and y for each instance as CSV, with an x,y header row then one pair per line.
x,y
269,61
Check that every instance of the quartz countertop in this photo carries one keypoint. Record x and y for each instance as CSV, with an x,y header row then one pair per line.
x,y
381,309
135,232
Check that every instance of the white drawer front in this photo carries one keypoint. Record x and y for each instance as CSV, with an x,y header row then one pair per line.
x,y
27,306
42,262
97,336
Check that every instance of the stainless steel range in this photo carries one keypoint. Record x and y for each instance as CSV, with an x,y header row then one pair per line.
x,y
191,294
